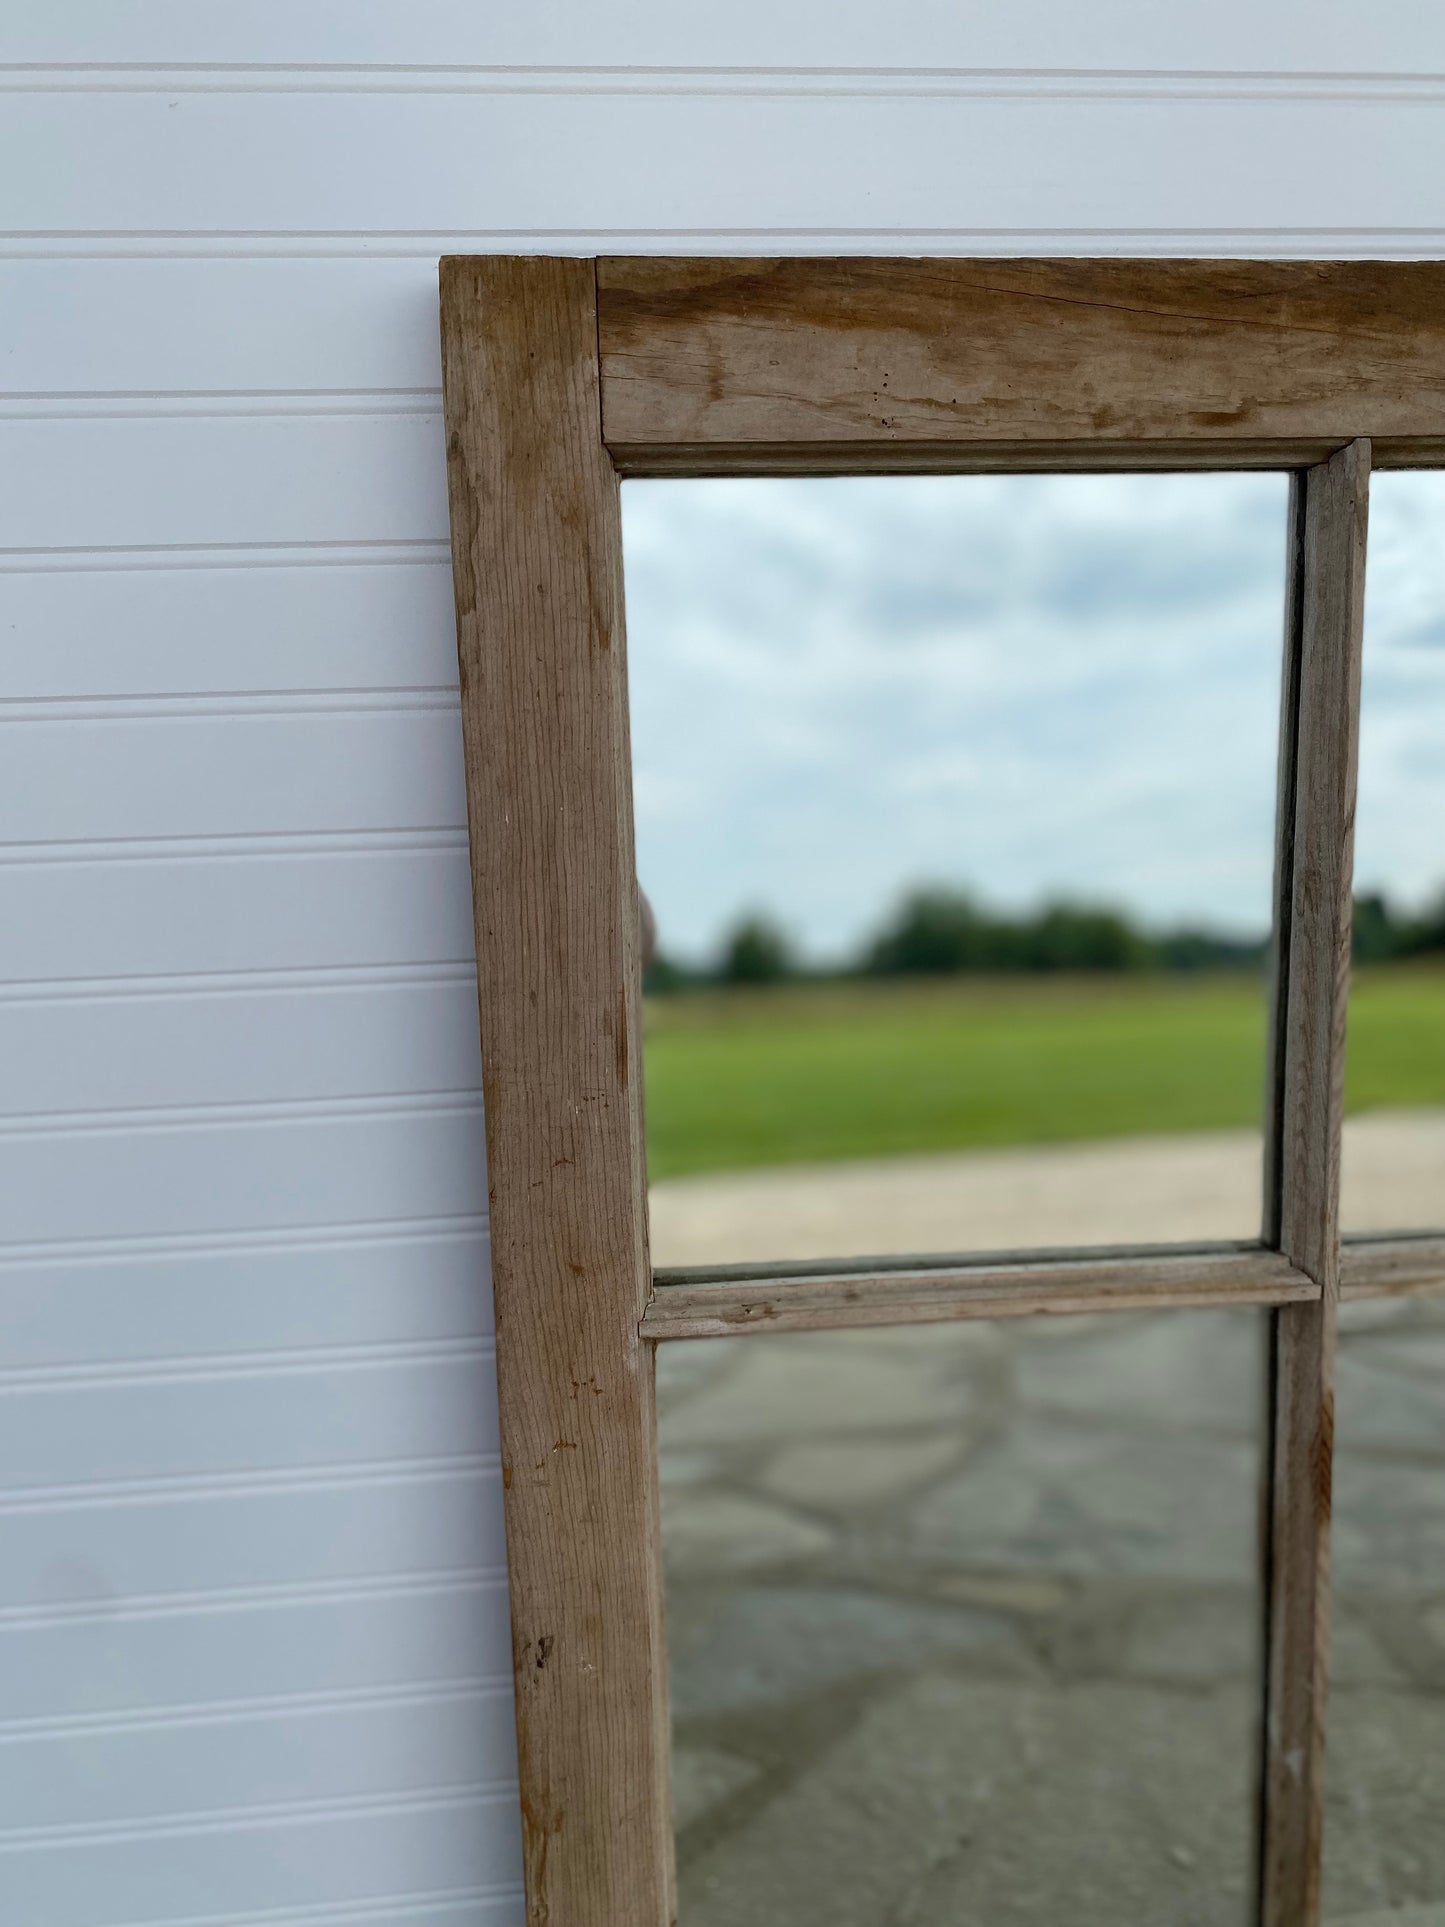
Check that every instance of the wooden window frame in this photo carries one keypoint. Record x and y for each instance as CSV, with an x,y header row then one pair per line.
x,y
560,376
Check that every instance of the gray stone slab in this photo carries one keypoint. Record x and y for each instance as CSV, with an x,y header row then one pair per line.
x,y
706,1531
790,1387
981,1804
1389,1522
848,1475
702,1778
764,1647
1385,1403
1385,1804
1428,1916
1183,1369
1186,1637
1054,1496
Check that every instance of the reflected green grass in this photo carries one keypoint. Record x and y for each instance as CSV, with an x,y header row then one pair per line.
x,y
817,1072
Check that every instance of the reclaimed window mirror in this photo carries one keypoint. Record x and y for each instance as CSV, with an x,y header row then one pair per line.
x,y
561,378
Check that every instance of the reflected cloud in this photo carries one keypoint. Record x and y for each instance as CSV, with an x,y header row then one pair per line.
x,y
1022,683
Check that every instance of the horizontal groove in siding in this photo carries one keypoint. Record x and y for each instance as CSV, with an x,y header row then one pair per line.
x,y
282,1361
199,1769
1373,241
246,1172
229,705
73,1062
223,480
356,1476
62,1441
152,162
273,910
338,777
319,1859
159,559
494,1905
437,1907
238,1819
181,1542
245,1600
257,1707
1287,37
241,847
1091,83
148,1304
222,985
83,326
346,1234
127,1658
140,1719
220,405
278,1053
135,1122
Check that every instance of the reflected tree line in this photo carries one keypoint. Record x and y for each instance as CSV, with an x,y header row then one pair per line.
x,y
942,932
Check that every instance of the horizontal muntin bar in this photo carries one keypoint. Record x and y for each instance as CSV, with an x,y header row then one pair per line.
x,y
1384,1267
713,1304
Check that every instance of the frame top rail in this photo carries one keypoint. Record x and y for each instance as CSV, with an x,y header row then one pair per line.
x,y
855,363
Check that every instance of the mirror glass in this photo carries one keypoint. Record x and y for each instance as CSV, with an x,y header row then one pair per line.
x,y
955,813
1384,1856
1393,1170
963,1622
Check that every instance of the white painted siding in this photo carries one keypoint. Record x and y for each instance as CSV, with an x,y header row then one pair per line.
x,y
253,1641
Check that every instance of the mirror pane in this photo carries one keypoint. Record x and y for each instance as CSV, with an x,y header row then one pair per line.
x,y
963,1622
1393,1171
1385,1758
955,806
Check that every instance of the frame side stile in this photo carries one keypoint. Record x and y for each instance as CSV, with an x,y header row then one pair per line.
x,y
1330,613
536,540
658,1707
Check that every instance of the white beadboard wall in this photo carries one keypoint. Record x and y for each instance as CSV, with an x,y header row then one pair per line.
x,y
253,1634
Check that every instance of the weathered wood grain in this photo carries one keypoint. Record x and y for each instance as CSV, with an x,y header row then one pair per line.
x,y
536,549
741,363
1392,1267
1329,609
703,1305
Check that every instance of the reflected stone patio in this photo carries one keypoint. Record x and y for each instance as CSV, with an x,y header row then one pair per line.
x,y
963,1622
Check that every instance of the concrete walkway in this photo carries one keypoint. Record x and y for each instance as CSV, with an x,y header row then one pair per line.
x,y
1119,1191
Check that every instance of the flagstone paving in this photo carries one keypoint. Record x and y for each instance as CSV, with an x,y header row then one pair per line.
x,y
963,1622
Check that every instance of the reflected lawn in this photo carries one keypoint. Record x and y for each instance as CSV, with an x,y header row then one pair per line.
x,y
827,1071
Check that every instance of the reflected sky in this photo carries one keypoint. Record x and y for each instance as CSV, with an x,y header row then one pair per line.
x,y
1028,685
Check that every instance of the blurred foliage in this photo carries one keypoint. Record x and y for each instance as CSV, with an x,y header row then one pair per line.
x,y
937,932
1384,935
755,952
